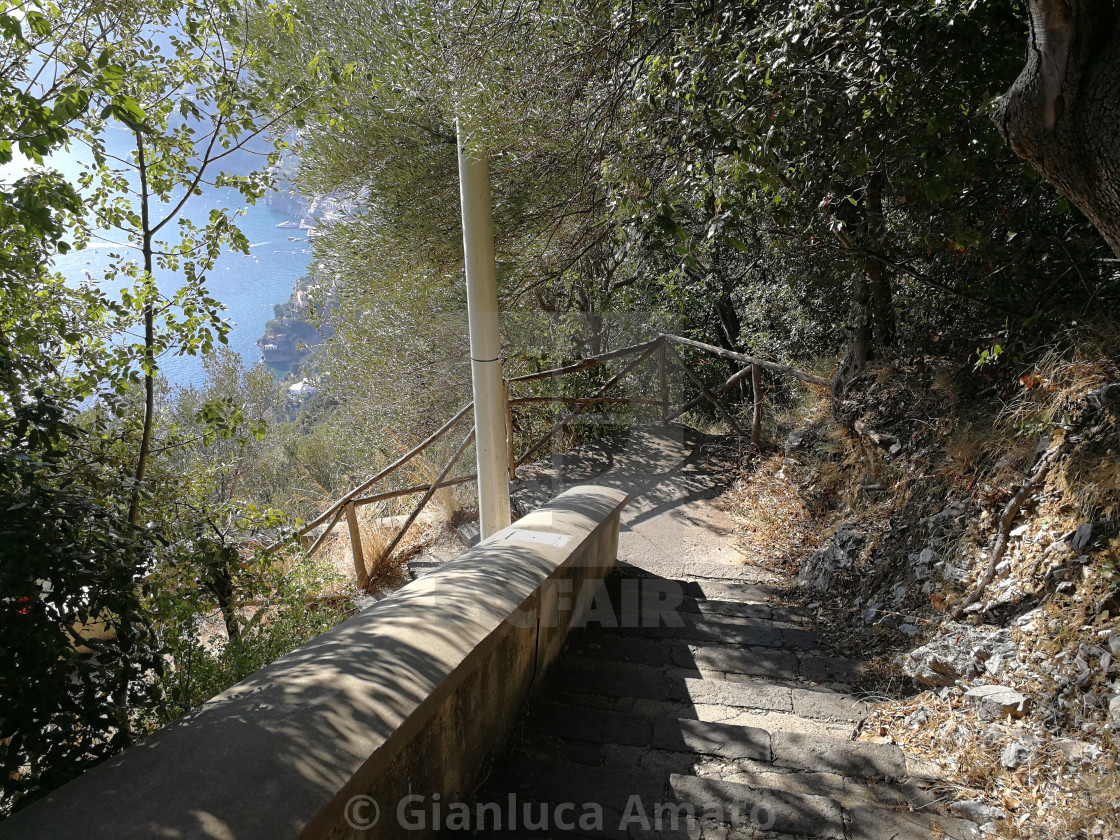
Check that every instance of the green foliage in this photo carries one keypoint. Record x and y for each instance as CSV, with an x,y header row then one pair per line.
x,y
820,142
79,654
774,177
279,606
83,667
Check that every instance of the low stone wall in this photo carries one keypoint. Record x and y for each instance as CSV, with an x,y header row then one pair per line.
x,y
405,699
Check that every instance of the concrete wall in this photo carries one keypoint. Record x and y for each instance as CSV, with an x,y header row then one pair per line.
x,y
408,697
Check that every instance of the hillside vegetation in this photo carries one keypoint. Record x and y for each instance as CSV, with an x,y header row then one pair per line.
x,y
885,193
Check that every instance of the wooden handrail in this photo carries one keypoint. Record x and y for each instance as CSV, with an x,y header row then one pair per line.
x,y
400,462
589,400
756,410
318,540
409,491
427,497
662,381
590,361
719,389
348,503
811,378
356,552
708,395
650,347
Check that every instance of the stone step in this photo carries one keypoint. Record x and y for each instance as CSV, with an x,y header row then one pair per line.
x,y
786,750
736,716
737,660
682,735
760,809
721,629
672,566
575,800
772,721
760,613
875,822
857,776
716,658
812,805
850,791
711,588
631,803
576,675
579,723
421,567
721,572
592,643
798,751
630,598
725,590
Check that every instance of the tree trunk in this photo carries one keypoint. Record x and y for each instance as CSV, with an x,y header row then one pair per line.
x,y
729,326
880,296
873,321
149,342
1062,115
221,585
858,351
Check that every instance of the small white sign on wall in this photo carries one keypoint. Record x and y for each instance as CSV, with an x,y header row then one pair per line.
x,y
540,537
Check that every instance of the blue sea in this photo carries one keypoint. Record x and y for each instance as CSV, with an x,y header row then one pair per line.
x,y
248,285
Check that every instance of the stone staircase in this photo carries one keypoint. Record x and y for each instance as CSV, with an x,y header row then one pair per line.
x,y
724,715
729,725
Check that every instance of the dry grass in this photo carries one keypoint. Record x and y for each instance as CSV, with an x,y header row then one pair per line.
x,y
377,528
1062,376
1049,797
378,524
425,469
774,523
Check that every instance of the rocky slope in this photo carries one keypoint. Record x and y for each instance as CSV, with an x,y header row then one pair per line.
x,y
979,560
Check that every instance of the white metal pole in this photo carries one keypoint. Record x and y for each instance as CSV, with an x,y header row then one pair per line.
x,y
486,357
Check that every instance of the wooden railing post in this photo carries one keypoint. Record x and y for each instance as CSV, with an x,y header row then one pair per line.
x,y
663,382
511,454
650,348
756,419
356,547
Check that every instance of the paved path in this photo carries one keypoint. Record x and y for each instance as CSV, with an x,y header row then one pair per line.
x,y
670,527
724,720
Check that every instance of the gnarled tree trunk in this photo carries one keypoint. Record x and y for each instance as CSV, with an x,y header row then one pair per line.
x,y
1062,115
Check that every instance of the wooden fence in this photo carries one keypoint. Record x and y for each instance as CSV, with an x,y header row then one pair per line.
x,y
662,348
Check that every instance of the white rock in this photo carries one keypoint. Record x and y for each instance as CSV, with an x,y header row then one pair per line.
x,y
915,719
977,811
1015,755
996,701
994,664
958,651
1114,712
1077,751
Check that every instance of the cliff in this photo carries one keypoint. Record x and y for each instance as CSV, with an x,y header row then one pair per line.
x,y
289,337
